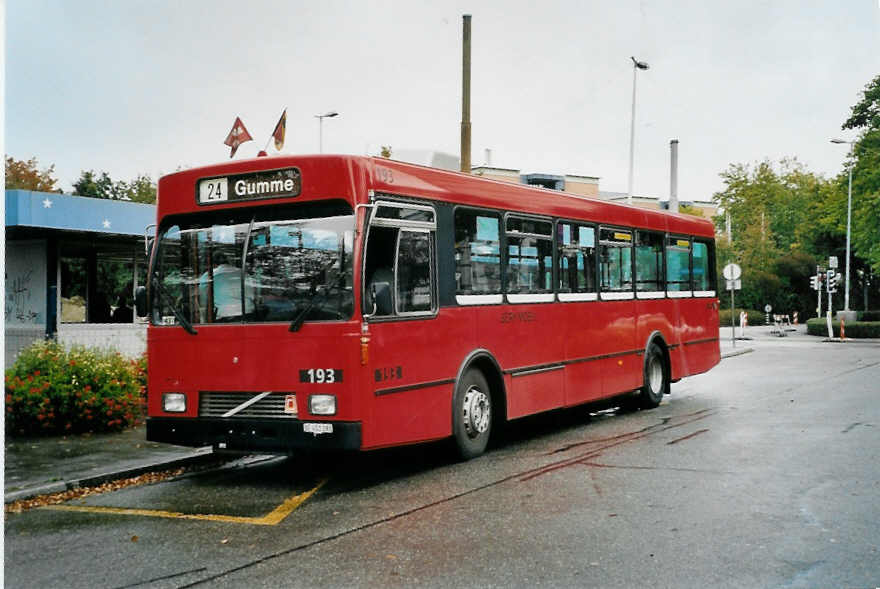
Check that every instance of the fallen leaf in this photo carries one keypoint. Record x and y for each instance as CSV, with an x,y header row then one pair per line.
x,y
80,492
134,538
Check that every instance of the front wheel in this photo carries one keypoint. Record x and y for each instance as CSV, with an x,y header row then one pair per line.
x,y
656,378
471,414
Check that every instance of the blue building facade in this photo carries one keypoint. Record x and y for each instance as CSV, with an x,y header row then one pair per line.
x,y
71,266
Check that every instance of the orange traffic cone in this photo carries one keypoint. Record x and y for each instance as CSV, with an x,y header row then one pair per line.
x,y
842,329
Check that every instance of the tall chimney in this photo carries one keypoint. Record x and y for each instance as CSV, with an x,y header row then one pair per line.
x,y
466,95
673,176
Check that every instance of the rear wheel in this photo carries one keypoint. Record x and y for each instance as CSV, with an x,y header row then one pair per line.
x,y
656,380
472,414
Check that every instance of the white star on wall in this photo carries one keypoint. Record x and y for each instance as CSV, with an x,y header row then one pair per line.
x,y
106,224
47,204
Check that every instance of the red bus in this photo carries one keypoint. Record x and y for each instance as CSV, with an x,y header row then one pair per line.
x,y
341,302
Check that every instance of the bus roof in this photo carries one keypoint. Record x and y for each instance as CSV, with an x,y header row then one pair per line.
x,y
351,177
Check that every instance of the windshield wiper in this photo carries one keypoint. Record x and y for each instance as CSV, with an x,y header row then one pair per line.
x,y
186,325
319,297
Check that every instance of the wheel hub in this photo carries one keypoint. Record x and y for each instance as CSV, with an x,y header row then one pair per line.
x,y
655,376
476,412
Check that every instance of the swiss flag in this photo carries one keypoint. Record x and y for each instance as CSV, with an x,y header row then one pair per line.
x,y
238,135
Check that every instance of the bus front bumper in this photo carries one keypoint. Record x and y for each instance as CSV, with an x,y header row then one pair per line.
x,y
271,436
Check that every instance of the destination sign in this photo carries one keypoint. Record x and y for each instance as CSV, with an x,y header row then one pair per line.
x,y
254,185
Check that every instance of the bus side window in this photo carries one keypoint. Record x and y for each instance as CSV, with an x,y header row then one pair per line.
x,y
703,268
414,293
678,265
615,260
577,258
649,261
381,250
529,256
477,253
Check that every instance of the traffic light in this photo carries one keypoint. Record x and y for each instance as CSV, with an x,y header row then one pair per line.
x,y
831,283
814,282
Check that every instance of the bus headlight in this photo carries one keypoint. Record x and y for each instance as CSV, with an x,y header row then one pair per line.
x,y
174,402
322,404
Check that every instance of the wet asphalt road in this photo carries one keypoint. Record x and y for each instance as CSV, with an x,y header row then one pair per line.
x,y
763,473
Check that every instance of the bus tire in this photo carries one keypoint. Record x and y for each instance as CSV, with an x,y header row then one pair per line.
x,y
656,380
472,414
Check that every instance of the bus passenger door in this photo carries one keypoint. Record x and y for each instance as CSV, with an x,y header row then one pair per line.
x,y
408,386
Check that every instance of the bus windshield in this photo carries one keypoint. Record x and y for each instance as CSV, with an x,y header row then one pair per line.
x,y
297,264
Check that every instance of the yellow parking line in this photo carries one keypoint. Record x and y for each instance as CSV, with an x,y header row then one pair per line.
x,y
275,517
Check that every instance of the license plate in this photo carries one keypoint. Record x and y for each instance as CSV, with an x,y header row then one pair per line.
x,y
318,428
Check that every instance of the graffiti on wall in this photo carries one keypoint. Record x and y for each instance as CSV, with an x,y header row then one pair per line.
x,y
25,283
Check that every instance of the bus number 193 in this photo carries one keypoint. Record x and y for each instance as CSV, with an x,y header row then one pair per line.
x,y
321,375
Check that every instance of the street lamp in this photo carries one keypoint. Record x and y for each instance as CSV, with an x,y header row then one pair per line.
x,y
637,65
326,115
848,217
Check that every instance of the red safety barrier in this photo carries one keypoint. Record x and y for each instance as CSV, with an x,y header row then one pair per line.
x,y
842,329
794,315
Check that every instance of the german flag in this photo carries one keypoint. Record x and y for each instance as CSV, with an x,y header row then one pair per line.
x,y
278,133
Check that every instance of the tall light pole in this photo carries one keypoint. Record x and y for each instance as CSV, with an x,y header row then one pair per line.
x,y
637,65
326,115
848,219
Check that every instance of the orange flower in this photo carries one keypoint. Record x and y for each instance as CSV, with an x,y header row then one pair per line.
x,y
8,398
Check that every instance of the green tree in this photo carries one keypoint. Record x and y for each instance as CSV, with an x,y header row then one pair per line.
x,y
90,183
771,207
26,175
690,210
142,189
864,161
865,113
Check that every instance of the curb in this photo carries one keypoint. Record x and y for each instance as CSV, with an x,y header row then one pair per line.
x,y
100,479
733,353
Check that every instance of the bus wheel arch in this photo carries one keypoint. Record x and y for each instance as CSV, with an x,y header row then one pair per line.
x,y
657,372
479,404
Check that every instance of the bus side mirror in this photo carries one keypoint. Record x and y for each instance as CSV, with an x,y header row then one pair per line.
x,y
140,301
381,292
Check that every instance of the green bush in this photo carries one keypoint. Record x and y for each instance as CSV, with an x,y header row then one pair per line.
x,y
853,329
50,390
755,317
869,315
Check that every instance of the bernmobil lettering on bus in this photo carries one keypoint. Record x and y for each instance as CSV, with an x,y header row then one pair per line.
x,y
271,184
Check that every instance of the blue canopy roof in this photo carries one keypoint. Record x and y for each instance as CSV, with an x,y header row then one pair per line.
x,y
65,212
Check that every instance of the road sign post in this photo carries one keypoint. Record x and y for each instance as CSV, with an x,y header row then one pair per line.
x,y
732,272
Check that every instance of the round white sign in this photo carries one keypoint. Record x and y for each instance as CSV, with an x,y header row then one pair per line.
x,y
732,271
767,308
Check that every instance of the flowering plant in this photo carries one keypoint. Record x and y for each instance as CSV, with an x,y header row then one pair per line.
x,y
52,390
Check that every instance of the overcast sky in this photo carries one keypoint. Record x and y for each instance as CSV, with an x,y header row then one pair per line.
x,y
133,87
